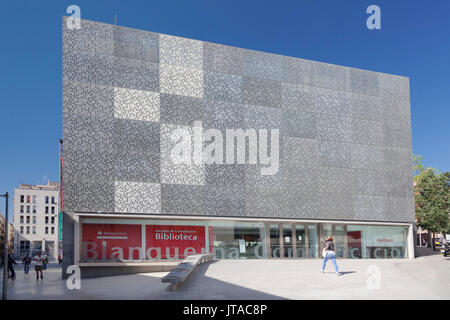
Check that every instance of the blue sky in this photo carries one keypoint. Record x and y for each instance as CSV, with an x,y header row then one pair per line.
x,y
414,41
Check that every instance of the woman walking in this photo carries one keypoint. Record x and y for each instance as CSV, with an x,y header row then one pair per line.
x,y
329,254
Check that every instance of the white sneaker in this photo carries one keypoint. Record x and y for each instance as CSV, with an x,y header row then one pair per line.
x,y
338,274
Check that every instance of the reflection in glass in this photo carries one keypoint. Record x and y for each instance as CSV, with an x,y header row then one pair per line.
x,y
287,241
313,241
274,240
300,240
340,240
238,240
376,242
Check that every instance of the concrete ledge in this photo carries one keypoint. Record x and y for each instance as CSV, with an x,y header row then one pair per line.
x,y
106,269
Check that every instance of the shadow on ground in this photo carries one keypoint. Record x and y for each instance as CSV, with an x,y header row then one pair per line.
x,y
194,288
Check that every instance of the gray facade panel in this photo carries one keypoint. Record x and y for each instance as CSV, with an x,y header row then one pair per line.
x,y
345,134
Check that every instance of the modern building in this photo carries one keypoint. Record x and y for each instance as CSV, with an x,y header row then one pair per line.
x,y
36,219
136,103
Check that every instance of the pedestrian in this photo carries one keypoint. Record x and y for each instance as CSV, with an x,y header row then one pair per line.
x,y
44,264
329,254
26,263
39,261
11,263
60,259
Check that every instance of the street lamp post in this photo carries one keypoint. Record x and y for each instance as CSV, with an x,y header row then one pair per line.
x,y
5,252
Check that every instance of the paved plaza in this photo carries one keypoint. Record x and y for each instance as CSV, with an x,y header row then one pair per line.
x,y
426,277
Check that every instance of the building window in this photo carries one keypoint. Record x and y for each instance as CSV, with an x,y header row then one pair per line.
x,y
46,220
46,230
28,219
34,219
34,230
21,209
46,209
28,229
28,199
21,219
46,200
53,200
21,229
28,209
53,210
34,199
22,199
34,209
53,220
53,230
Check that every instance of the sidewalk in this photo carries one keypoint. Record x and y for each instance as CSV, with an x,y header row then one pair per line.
x,y
425,277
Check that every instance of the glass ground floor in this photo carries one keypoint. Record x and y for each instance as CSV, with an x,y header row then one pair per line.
x,y
124,239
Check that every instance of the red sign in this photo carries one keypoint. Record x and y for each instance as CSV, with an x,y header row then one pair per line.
x,y
111,241
174,242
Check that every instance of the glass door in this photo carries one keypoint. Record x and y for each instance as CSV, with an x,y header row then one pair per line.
x,y
313,241
340,240
287,241
300,241
274,230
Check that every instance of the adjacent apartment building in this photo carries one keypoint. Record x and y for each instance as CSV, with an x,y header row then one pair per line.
x,y
326,151
36,219
3,236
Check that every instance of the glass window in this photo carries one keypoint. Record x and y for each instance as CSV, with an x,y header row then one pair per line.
x,y
313,241
46,220
53,200
34,230
21,209
376,242
28,209
46,200
326,230
53,210
22,199
274,240
237,240
28,199
53,230
53,220
34,219
46,230
46,209
300,240
287,241
21,229
28,229
34,199
28,219
34,209
340,239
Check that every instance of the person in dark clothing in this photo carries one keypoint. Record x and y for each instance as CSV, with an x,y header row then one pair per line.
x,y
26,263
11,263
329,254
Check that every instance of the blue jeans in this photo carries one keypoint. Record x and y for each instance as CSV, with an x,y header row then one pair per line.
x,y
332,257
26,268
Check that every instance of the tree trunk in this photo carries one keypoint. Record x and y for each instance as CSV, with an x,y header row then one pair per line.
x,y
430,245
433,241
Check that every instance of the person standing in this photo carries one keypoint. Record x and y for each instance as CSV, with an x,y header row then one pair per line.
x,y
11,263
329,254
60,259
39,261
26,263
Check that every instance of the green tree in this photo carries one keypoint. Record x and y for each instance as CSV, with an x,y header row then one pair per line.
x,y
432,201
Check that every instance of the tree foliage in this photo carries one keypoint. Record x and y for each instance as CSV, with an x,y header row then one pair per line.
x,y
432,200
